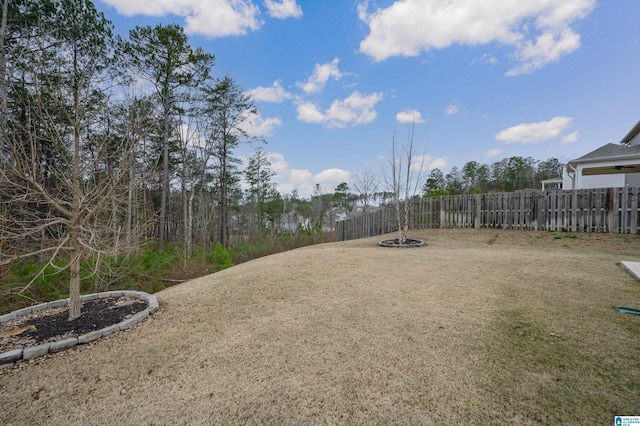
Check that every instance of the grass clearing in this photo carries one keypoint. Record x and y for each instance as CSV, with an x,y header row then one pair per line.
x,y
479,327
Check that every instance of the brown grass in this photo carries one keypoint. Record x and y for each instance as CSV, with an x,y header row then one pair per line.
x,y
479,327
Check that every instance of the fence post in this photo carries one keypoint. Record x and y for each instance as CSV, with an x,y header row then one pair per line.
x,y
574,210
534,209
633,214
624,202
610,207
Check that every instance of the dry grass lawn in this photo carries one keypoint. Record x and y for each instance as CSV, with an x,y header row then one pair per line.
x,y
479,327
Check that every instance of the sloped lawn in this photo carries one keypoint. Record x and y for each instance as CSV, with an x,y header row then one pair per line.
x,y
478,327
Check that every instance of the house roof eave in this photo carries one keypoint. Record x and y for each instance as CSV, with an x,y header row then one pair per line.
x,y
603,159
632,134
552,180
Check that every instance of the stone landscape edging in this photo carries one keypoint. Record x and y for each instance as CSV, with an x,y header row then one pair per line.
x,y
411,243
9,358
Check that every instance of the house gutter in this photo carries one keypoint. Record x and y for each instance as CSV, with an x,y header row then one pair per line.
x,y
574,172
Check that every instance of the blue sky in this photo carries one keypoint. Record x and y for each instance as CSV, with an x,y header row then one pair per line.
x,y
484,80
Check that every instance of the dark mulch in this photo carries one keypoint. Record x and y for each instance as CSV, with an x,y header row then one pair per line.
x,y
408,243
96,315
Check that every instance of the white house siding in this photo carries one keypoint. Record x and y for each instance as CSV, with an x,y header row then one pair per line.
x,y
635,141
595,181
633,179
602,181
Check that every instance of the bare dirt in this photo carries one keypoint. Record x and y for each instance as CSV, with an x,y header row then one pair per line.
x,y
477,327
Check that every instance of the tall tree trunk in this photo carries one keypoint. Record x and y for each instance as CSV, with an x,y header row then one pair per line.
x,y
200,225
185,223
224,216
3,218
75,305
224,213
4,81
401,233
115,223
189,230
165,172
396,171
129,219
407,196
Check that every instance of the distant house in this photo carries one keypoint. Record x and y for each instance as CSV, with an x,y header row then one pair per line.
x,y
289,222
555,183
610,166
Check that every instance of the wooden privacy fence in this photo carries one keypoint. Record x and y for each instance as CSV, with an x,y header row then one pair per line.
x,y
584,210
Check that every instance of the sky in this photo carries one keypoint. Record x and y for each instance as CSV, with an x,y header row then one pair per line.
x,y
336,80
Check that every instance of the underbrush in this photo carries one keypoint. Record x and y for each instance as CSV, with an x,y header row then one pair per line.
x,y
31,282
272,244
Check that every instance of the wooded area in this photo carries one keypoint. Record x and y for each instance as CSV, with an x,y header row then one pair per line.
x,y
108,144
613,210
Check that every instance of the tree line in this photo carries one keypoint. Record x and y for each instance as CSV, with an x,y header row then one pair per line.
x,y
506,175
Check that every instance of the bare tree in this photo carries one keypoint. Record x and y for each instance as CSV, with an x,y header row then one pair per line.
x,y
189,175
365,185
3,60
62,104
204,148
319,208
403,177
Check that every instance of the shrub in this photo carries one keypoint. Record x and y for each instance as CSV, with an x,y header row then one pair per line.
x,y
221,258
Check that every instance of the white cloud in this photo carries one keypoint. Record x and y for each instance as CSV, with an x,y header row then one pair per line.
x,y
302,180
486,58
331,178
535,132
255,125
279,165
355,109
309,113
429,163
321,74
547,48
538,30
288,179
211,18
452,109
274,94
572,137
283,9
409,116
300,176
494,152
438,163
